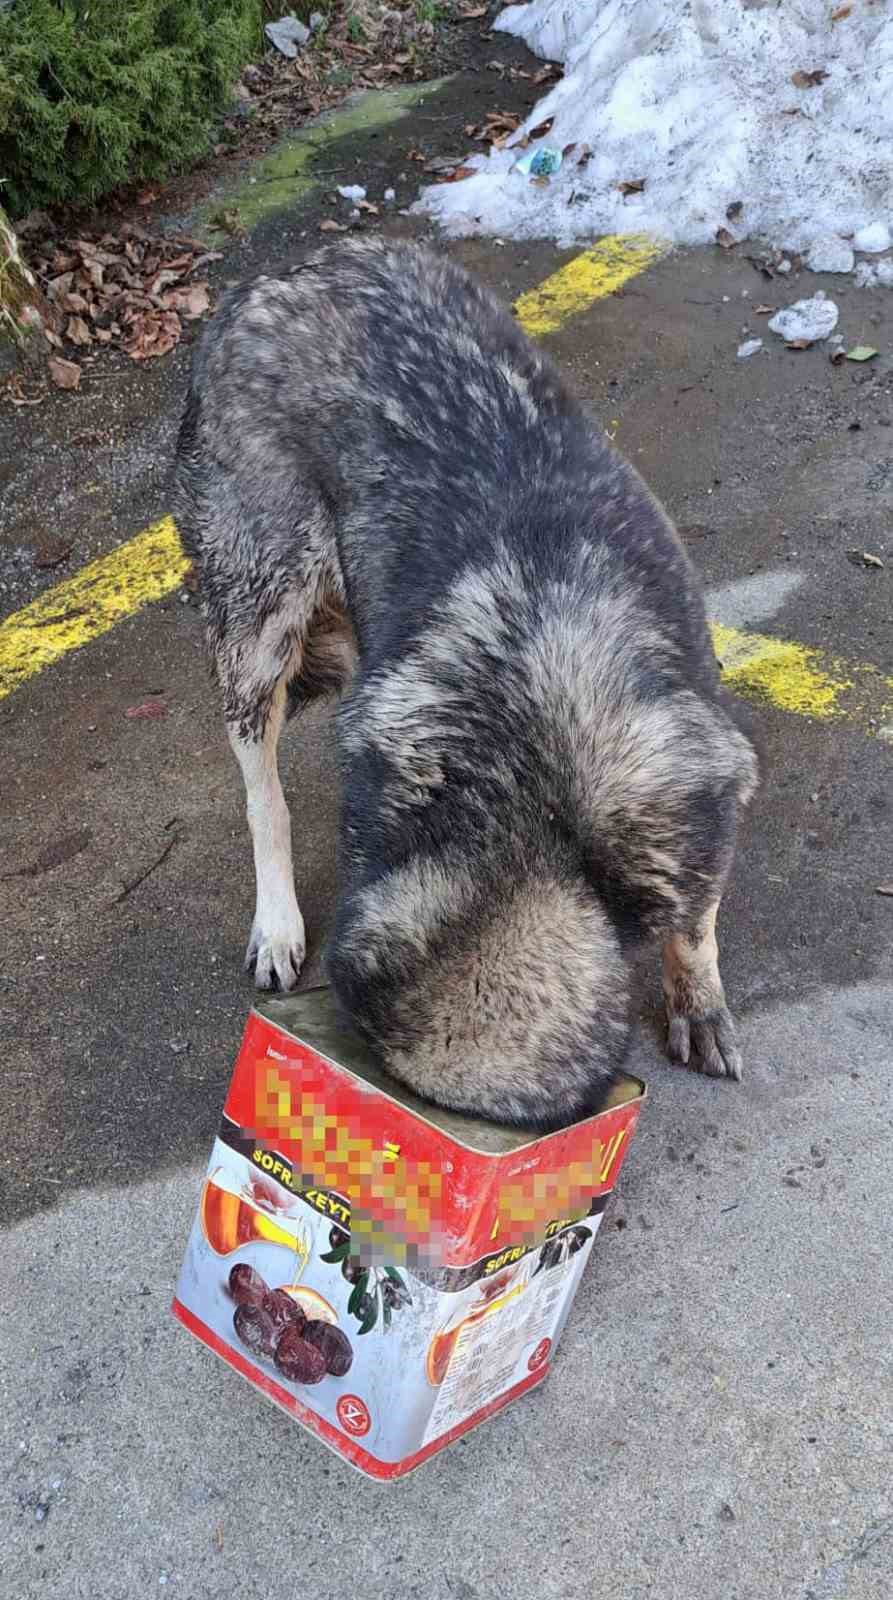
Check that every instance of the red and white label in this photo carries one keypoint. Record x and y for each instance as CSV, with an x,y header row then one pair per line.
x,y
353,1414
540,1355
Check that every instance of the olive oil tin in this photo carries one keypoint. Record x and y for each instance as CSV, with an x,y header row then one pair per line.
x,y
389,1273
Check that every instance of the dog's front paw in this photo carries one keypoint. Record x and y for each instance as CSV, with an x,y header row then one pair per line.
x,y
706,1042
276,955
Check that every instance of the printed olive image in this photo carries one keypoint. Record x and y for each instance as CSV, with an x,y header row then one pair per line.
x,y
559,1250
274,1324
298,1359
335,1347
376,1292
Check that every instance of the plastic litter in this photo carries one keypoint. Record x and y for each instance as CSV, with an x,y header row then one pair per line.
x,y
812,319
288,35
351,191
539,163
749,348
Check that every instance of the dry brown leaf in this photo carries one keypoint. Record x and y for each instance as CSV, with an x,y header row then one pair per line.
x,y
88,251
65,374
734,210
764,311
546,74
840,13
799,344
166,276
568,150
541,182
76,303
329,225
58,287
151,333
635,186
195,301
884,888
369,206
585,155
542,128
837,357
809,80
443,164
77,331
416,155
725,239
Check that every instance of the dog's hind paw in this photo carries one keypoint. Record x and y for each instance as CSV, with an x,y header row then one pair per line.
x,y
276,958
706,1043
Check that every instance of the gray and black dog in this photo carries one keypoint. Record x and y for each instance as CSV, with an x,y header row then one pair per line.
x,y
386,489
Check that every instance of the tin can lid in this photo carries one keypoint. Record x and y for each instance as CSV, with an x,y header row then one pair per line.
x,y
311,1018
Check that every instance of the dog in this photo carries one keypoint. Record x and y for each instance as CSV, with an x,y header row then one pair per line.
x,y
389,492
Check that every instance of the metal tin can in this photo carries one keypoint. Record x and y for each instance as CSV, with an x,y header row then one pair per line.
x,y
441,1253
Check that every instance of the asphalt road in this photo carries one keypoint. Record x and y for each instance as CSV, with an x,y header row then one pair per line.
x,y
719,1421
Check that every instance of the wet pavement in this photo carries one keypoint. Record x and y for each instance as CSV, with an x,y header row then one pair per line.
x,y
719,1421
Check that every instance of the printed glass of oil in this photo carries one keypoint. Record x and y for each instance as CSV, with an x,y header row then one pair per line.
x,y
389,1273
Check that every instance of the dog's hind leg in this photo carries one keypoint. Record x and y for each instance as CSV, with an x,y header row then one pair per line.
x,y
701,1032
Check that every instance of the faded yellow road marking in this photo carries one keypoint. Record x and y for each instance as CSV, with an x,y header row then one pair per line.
x,y
591,276
798,678
89,604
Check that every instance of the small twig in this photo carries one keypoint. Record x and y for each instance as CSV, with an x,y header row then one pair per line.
x,y
281,89
135,882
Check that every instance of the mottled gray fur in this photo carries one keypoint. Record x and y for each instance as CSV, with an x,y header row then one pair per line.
x,y
541,771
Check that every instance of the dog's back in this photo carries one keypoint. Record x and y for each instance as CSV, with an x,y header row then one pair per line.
x,y
539,769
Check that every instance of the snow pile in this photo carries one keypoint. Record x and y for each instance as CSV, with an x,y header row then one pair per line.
x,y
712,102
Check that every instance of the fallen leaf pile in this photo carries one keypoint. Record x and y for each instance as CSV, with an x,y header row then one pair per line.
x,y
129,290
364,45
495,129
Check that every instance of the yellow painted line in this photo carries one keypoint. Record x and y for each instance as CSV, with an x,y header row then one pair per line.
x,y
151,565
791,677
797,678
89,604
591,276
